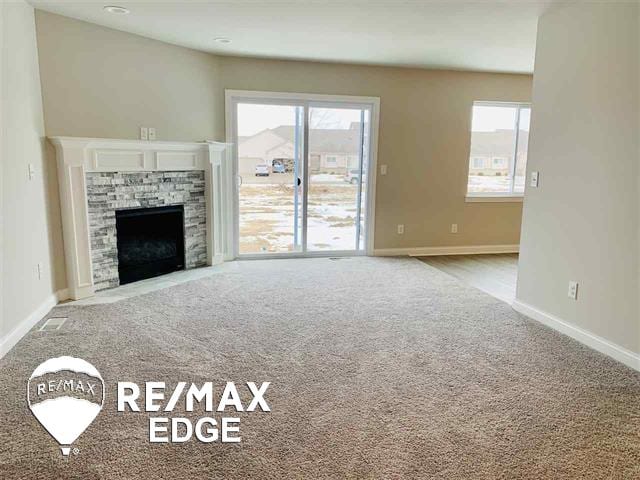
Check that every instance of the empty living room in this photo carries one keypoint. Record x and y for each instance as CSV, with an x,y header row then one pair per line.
x,y
320,239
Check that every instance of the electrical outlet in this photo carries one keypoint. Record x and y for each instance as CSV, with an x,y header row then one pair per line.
x,y
400,229
383,169
39,271
152,133
454,228
144,133
573,290
535,177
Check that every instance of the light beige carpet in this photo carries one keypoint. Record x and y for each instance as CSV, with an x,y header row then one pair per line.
x,y
379,368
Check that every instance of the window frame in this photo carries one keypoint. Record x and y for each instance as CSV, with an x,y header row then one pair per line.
x,y
511,195
305,100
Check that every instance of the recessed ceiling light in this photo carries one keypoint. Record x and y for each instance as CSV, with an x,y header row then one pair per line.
x,y
222,40
116,9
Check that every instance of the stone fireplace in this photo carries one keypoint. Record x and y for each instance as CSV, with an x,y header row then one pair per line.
x,y
112,193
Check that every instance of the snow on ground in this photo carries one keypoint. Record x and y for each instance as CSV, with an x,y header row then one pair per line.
x,y
267,215
493,184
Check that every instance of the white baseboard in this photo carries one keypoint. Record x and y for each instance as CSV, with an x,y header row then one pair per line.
x,y
589,339
13,337
458,250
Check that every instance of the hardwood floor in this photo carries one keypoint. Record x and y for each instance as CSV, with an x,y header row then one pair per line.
x,y
494,274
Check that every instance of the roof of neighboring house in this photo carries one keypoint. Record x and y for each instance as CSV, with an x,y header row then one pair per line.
x,y
497,143
258,145
329,140
346,141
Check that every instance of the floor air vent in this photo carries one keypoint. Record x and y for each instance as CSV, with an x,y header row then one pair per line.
x,y
53,323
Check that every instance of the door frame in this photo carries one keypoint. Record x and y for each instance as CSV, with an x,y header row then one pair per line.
x,y
233,97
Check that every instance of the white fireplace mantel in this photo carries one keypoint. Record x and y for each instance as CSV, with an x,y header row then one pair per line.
x,y
77,156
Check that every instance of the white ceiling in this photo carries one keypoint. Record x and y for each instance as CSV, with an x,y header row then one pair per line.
x,y
496,36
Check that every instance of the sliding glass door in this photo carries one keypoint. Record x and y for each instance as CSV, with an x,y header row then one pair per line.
x,y
302,169
270,172
337,174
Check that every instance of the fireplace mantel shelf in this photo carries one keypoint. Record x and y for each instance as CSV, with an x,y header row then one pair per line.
x,y
118,143
78,156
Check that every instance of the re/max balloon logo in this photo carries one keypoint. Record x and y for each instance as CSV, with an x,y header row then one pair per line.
x,y
66,394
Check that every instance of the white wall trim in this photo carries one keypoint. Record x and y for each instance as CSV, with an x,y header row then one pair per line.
x,y
585,337
300,97
456,250
13,337
494,198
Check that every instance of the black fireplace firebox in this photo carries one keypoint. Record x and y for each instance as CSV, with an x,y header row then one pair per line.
x,y
150,242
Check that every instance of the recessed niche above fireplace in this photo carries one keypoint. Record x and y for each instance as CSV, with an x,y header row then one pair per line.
x,y
99,177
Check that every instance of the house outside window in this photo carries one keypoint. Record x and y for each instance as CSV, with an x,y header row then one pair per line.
x,y
499,133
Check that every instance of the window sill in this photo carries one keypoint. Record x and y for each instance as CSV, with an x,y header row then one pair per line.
x,y
493,198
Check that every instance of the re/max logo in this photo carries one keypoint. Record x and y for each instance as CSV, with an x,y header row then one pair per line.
x,y
181,429
66,385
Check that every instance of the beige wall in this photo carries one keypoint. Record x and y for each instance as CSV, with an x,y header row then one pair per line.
x,y
99,82
582,222
25,203
424,139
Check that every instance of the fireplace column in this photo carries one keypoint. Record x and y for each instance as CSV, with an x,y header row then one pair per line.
x,y
75,222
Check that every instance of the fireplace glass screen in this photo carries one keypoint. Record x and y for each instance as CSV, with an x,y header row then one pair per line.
x,y
150,242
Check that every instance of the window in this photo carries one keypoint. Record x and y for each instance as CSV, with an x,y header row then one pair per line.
x,y
477,162
500,163
493,136
331,161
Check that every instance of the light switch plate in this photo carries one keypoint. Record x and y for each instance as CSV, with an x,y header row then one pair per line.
x,y
534,179
152,133
144,133
573,290
383,169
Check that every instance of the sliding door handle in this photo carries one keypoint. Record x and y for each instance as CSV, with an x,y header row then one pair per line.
x,y
239,180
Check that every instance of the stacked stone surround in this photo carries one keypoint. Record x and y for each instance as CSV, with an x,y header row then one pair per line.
x,y
111,191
